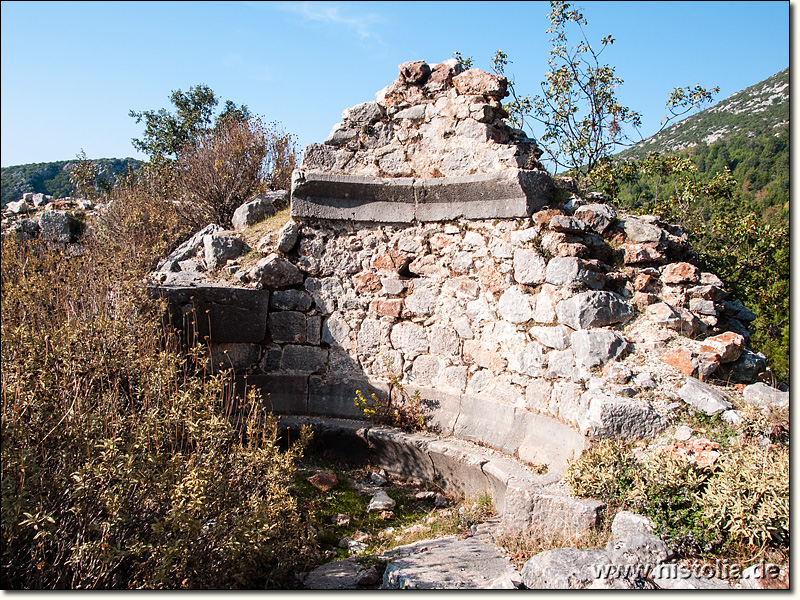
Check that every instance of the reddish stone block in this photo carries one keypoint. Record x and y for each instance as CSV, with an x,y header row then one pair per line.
x,y
393,260
387,308
681,359
681,272
641,253
728,346
366,283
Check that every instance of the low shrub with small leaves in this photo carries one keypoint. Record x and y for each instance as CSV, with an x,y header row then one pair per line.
x,y
739,503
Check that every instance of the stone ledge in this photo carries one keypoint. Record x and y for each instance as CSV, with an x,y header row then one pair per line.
x,y
522,498
510,193
221,314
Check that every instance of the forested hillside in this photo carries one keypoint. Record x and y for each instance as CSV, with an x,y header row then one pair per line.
x,y
723,174
53,177
748,133
760,108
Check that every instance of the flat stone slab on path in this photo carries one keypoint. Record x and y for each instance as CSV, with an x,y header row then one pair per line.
x,y
448,563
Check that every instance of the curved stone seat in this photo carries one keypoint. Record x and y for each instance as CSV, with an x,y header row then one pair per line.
x,y
523,498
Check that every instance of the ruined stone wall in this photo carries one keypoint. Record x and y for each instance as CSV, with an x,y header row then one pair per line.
x,y
530,319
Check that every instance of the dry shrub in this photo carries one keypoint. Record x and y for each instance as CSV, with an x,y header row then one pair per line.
x,y
605,472
142,222
748,497
224,167
120,466
520,547
739,502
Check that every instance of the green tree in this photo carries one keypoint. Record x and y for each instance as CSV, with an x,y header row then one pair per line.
x,y
167,133
583,120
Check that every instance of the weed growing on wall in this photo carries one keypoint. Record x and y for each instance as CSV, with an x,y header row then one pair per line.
x,y
398,409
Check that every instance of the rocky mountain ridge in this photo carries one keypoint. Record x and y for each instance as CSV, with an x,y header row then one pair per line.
x,y
754,110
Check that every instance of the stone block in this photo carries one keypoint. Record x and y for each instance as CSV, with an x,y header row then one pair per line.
x,y
304,359
402,454
281,394
489,422
563,569
275,272
627,523
217,314
502,195
234,356
287,326
765,397
595,347
441,409
59,226
291,300
613,417
529,507
317,195
335,397
252,212
703,397
458,468
593,309
548,442
529,266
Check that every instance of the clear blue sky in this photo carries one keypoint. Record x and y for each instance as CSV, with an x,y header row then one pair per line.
x,y
71,71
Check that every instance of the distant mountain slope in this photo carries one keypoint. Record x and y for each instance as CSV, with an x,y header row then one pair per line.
x,y
53,177
759,109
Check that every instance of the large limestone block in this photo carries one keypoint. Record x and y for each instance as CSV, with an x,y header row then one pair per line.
x,y
458,467
335,397
703,397
549,442
494,423
220,247
613,417
281,393
765,397
638,548
563,569
402,454
569,271
58,226
593,309
252,212
448,564
627,523
508,193
594,348
317,195
502,195
217,314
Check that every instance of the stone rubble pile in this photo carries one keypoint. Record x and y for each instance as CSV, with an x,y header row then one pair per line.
x,y
595,319
433,121
427,244
39,215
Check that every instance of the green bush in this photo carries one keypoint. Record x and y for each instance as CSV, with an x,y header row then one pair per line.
x,y
122,467
742,500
